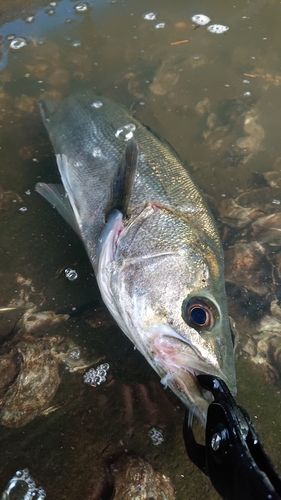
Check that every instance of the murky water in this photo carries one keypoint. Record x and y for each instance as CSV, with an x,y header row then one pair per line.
x,y
216,98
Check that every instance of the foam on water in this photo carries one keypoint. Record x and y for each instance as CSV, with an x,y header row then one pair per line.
x,y
96,376
75,354
200,19
149,16
160,25
71,274
17,43
156,436
217,28
81,7
23,487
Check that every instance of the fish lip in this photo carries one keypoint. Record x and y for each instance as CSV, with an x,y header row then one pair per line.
x,y
194,356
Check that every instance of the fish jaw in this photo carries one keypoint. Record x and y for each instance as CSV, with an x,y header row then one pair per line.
x,y
178,363
172,350
181,364
179,354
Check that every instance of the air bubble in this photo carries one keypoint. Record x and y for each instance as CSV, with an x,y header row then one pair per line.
x,y
200,19
149,16
75,354
70,274
50,12
22,485
76,43
22,209
10,37
126,132
30,19
160,25
247,93
41,493
217,28
156,436
81,7
96,104
97,153
18,43
96,376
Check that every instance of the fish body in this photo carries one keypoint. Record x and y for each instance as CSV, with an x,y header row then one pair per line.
x,y
159,265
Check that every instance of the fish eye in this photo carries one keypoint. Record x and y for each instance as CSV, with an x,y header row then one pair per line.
x,y
198,313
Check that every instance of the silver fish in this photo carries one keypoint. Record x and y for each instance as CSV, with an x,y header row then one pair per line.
x,y
159,264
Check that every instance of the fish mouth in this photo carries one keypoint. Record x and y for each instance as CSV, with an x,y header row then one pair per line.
x,y
176,351
182,362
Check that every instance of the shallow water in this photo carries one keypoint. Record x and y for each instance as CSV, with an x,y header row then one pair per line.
x,y
216,99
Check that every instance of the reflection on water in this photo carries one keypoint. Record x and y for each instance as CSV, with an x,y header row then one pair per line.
x,y
216,98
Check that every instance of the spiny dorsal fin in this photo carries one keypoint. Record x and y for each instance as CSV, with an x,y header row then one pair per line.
x,y
123,182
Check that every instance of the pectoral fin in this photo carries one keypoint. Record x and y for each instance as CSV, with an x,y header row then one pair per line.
x,y
56,195
122,184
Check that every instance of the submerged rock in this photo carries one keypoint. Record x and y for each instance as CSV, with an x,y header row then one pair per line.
x,y
135,479
246,265
165,78
29,370
33,322
223,124
35,385
25,103
10,364
59,77
262,198
235,215
268,345
255,133
203,106
276,262
268,229
253,269
273,178
7,198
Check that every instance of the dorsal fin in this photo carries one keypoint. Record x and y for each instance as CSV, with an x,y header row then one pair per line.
x,y
123,182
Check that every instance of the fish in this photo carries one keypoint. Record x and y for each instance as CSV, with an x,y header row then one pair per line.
x,y
151,239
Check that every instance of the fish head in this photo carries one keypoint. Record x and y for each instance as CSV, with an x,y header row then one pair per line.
x,y
182,326
172,304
